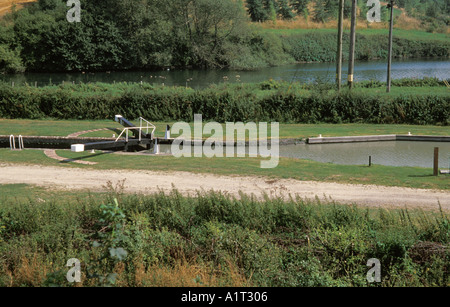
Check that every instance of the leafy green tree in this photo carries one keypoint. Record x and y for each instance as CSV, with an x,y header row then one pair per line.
x,y
211,24
201,28
29,31
50,4
432,10
285,11
321,11
256,10
10,61
300,6
270,6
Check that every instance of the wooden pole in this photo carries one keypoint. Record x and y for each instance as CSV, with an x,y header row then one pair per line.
x,y
351,64
391,27
339,48
436,162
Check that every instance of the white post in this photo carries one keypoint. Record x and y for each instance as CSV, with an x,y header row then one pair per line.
x,y
167,135
156,147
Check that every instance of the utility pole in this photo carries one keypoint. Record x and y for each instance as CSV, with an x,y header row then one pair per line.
x,y
339,48
351,64
391,26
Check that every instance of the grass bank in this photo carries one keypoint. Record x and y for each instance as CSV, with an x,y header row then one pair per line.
x,y
214,240
320,45
416,35
51,127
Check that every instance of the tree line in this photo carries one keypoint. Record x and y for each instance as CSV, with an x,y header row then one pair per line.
x,y
434,11
124,34
154,34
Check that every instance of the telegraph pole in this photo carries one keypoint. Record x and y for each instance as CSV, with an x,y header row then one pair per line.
x,y
391,26
339,48
351,64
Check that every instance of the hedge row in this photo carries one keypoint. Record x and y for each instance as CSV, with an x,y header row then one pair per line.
x,y
261,102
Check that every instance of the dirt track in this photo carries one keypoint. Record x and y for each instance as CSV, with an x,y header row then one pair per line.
x,y
146,182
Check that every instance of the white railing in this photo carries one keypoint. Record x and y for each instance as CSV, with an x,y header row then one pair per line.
x,y
140,128
12,142
149,125
21,143
446,83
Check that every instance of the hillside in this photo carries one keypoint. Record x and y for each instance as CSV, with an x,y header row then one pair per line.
x,y
423,15
6,5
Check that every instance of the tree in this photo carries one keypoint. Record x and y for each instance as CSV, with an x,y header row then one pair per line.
x,y
213,22
325,10
10,61
256,10
270,6
285,10
320,11
300,6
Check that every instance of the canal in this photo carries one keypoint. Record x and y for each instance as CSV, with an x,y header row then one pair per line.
x,y
198,79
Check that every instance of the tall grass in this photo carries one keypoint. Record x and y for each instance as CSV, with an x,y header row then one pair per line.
x,y
211,239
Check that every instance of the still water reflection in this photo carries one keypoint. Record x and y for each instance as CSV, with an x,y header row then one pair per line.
x,y
393,153
389,153
197,79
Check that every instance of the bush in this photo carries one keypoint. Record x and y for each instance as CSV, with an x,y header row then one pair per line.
x,y
10,61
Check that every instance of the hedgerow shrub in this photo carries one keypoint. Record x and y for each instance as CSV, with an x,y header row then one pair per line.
x,y
269,101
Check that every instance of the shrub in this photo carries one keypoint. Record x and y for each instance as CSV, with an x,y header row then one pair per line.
x,y
268,101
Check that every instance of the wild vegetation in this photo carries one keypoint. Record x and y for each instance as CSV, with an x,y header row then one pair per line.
x,y
215,240
123,35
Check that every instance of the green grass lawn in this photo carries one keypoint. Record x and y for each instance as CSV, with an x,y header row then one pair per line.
x,y
288,168
298,131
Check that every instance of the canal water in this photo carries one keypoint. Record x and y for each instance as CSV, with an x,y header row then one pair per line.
x,y
197,79
389,153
